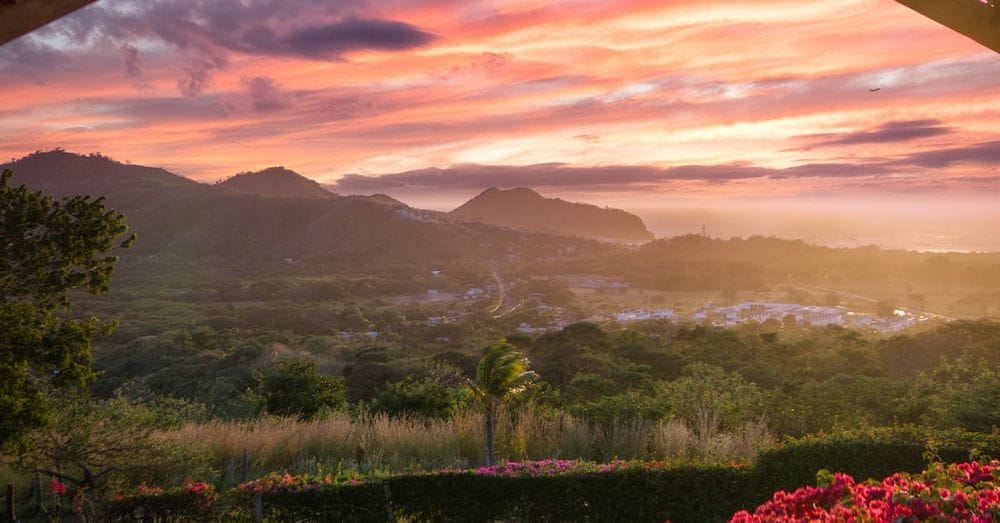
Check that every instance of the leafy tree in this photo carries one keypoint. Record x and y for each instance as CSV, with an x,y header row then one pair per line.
x,y
608,411
48,248
710,399
502,373
90,444
294,386
586,386
417,397
965,395
844,402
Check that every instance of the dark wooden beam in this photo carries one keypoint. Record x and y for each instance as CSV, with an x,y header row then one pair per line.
x,y
979,20
20,17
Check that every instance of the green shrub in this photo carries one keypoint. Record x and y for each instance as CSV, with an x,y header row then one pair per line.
x,y
293,386
194,501
874,453
423,398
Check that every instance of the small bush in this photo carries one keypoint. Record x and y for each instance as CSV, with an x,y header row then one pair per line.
x,y
874,453
192,501
963,492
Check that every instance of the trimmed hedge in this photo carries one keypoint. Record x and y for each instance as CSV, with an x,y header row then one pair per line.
x,y
617,492
632,491
869,454
631,494
190,502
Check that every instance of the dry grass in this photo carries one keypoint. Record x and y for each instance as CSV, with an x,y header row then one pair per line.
x,y
385,444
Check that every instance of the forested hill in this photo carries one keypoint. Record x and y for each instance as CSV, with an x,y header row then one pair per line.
x,y
179,220
523,208
275,181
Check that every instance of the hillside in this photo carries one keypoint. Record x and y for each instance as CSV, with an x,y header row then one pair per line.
x,y
523,208
241,223
381,199
274,181
59,173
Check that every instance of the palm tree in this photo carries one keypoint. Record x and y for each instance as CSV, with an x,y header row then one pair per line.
x,y
502,373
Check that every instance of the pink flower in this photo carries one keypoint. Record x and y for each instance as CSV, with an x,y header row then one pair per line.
x,y
196,488
955,493
57,488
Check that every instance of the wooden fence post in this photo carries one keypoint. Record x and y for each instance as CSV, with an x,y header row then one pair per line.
x,y
388,503
245,466
258,509
11,515
38,490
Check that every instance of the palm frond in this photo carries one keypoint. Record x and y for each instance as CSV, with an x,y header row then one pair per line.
x,y
501,373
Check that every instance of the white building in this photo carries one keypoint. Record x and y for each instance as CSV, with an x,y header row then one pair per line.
x,y
644,314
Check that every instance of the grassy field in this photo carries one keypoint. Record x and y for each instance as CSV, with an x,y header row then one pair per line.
x,y
382,444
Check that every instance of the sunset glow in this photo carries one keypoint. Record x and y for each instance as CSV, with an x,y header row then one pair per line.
x,y
432,101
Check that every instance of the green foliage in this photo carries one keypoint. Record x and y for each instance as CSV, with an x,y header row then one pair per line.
x,y
52,247
710,399
293,386
190,502
93,444
47,249
965,395
871,453
682,493
426,397
614,409
502,373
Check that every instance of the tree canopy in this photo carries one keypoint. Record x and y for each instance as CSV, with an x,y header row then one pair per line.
x,y
48,248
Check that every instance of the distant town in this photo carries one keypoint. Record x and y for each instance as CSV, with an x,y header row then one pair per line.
x,y
553,317
755,312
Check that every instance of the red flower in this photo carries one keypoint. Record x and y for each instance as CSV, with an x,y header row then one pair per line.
x,y
195,488
955,493
57,488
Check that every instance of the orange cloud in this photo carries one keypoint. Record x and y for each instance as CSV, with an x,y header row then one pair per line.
x,y
211,88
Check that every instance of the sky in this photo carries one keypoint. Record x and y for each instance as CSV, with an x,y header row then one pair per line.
x,y
631,103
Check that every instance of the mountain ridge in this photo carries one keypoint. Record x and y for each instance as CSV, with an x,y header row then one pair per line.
x,y
526,209
184,223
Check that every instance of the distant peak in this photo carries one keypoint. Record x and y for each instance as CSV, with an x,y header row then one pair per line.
x,y
268,172
493,192
274,181
523,208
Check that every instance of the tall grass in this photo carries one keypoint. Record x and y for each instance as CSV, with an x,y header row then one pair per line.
x,y
381,443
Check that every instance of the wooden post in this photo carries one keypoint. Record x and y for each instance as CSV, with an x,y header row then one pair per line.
x,y
258,509
388,503
38,490
11,515
245,466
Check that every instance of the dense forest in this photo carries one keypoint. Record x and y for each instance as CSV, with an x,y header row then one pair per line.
x,y
797,382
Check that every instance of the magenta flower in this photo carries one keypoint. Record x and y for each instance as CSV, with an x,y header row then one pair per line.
x,y
56,487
